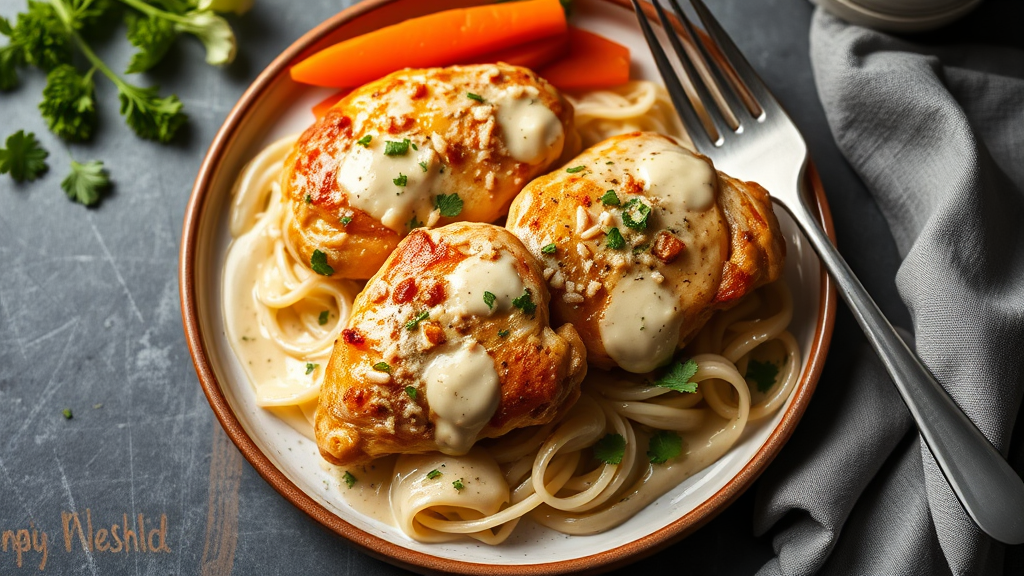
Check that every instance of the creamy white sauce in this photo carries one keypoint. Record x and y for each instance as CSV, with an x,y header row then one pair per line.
x,y
463,392
367,176
640,325
682,181
474,276
531,131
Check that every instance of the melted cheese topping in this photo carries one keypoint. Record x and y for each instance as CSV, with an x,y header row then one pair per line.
x,y
463,391
474,276
679,179
531,131
368,176
640,326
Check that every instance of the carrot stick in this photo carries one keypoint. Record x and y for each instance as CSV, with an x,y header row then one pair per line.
x,y
531,55
434,40
321,107
593,61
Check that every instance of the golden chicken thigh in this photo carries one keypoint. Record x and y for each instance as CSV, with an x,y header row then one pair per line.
x,y
641,241
449,342
419,148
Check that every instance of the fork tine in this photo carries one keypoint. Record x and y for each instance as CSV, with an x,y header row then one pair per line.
x,y
689,49
703,139
748,79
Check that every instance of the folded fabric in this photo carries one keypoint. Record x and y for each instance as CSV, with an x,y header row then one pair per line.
x,y
937,136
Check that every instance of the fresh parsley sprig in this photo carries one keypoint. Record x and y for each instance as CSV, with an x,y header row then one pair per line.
x,y
678,377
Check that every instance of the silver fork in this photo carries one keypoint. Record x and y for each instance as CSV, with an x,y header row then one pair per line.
x,y
752,138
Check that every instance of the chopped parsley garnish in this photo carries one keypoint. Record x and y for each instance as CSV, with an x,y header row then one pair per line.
x,y
635,213
308,199
424,166
322,318
615,239
67,413
609,163
678,376
641,248
382,367
310,367
664,446
23,158
476,97
549,249
415,223
402,180
86,182
450,205
411,392
525,303
503,333
575,169
763,374
610,449
346,220
433,474
489,298
349,479
412,324
458,484
392,148
365,141
318,261
610,198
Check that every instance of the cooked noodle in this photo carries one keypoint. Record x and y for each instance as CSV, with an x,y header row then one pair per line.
x,y
548,473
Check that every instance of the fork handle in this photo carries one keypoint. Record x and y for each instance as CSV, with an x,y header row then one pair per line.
x,y
988,488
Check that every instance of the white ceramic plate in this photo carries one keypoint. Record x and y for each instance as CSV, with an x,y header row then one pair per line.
x,y
274,107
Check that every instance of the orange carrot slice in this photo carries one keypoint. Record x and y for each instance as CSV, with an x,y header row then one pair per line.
x,y
321,107
593,62
437,39
532,55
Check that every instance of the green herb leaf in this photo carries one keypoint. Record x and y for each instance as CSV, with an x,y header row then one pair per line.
x,y
86,182
68,105
641,248
11,57
42,36
458,485
615,240
763,374
392,148
610,449
153,36
525,303
433,474
308,199
346,220
412,324
23,158
549,249
489,299
214,32
424,166
610,198
236,6
382,367
678,376
323,317
411,392
503,333
318,262
575,169
450,205
664,446
349,479
150,116
310,367
415,223
67,413
402,180
365,141
476,97
635,213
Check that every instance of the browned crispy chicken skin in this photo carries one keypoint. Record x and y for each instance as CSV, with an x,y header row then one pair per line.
x,y
391,154
645,240
448,343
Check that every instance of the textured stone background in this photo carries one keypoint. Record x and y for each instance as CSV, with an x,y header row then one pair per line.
x,y
89,315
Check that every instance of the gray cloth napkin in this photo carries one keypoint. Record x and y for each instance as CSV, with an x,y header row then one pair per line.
x,y
937,135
